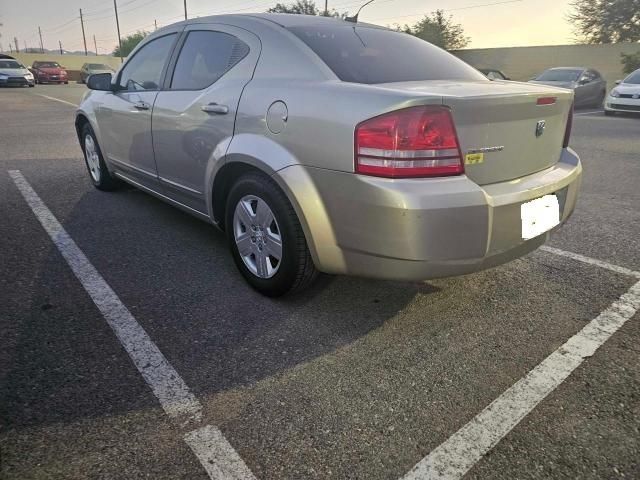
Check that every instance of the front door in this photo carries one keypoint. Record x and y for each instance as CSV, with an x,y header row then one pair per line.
x,y
124,116
193,117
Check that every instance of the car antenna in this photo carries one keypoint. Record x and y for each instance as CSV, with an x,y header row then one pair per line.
x,y
354,19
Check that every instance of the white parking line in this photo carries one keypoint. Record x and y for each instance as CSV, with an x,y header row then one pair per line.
x,y
457,455
588,113
57,100
214,451
217,456
591,261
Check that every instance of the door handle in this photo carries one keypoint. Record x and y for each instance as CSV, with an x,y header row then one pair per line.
x,y
142,105
215,108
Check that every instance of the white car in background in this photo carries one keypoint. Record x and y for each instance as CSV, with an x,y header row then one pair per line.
x,y
625,97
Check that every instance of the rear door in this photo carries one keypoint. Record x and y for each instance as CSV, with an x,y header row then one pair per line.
x,y
124,116
194,115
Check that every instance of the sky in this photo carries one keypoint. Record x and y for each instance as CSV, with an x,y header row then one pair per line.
x,y
503,24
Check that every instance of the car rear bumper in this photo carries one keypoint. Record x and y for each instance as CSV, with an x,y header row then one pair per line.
x,y
415,229
622,105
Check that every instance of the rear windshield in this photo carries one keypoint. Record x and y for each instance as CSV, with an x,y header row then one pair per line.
x,y
98,66
372,55
47,64
633,78
559,76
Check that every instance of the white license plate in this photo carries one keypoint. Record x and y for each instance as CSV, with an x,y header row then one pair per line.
x,y
539,216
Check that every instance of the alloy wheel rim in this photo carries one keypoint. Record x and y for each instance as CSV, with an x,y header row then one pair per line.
x,y
93,159
257,236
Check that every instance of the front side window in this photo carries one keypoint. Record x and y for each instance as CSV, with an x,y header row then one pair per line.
x,y
144,70
205,57
375,55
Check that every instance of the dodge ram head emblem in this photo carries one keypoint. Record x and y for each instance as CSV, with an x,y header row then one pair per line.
x,y
540,127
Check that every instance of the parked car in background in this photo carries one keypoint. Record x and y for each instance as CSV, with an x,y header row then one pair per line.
x,y
588,85
319,146
625,96
49,72
493,74
92,68
14,74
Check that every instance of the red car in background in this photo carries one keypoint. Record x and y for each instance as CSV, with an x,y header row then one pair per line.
x,y
49,72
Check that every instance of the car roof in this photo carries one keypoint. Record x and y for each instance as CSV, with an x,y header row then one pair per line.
x,y
283,19
569,68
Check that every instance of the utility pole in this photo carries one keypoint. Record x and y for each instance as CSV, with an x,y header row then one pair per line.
x,y
25,46
326,8
185,9
155,22
41,44
60,43
10,49
84,38
115,6
95,44
15,39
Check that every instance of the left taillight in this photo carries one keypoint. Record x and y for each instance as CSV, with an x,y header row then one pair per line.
x,y
412,142
567,131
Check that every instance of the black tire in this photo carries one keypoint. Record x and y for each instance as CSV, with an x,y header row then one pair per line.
x,y
296,270
600,101
66,83
105,180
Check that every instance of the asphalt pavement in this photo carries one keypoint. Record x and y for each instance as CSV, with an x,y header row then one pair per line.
x,y
354,378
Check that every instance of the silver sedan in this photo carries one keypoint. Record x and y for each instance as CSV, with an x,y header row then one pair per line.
x,y
323,145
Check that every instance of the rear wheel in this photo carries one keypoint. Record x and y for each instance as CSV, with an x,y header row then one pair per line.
x,y
98,173
266,239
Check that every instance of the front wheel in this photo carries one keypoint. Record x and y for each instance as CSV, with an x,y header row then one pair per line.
x,y
266,238
98,173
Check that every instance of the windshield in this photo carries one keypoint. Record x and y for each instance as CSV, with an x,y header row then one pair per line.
x,y
98,66
47,65
634,78
374,55
10,64
559,75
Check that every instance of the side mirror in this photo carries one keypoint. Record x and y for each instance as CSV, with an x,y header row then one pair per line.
x,y
100,81
583,81
618,82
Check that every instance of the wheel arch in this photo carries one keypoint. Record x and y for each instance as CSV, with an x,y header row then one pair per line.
x,y
294,182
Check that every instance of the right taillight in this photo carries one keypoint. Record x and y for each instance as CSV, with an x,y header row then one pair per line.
x,y
412,142
567,132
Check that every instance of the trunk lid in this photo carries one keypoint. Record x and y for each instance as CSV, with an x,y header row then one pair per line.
x,y
498,121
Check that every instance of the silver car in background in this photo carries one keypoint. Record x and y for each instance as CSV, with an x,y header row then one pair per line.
x,y
321,145
589,87
625,97
14,74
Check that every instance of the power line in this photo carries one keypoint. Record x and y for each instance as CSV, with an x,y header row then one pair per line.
x,y
450,9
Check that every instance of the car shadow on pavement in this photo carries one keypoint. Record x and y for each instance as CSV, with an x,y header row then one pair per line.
x,y
176,276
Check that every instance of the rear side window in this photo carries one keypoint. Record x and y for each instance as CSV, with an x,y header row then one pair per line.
x,y
371,55
205,57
